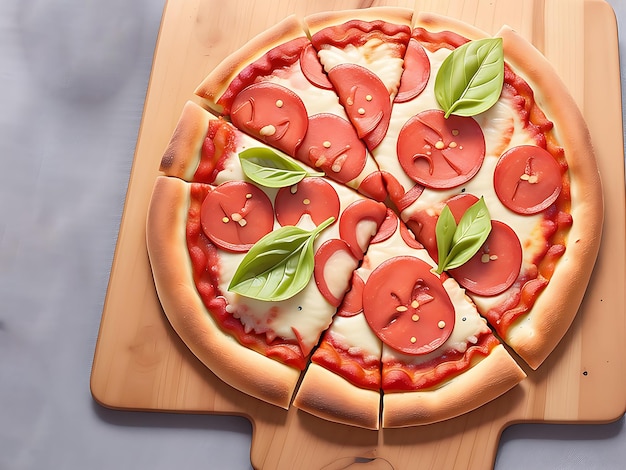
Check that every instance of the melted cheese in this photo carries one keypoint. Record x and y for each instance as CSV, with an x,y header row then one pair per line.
x,y
316,100
356,336
376,56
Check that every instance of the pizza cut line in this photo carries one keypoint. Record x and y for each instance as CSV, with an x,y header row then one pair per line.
x,y
378,217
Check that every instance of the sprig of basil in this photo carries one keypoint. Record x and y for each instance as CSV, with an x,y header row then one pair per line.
x,y
456,244
279,265
269,169
470,79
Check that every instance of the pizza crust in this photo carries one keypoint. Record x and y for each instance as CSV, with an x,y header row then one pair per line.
x,y
318,21
488,379
238,366
538,333
436,23
327,395
217,82
182,155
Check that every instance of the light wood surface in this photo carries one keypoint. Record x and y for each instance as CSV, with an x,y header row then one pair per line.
x,y
141,364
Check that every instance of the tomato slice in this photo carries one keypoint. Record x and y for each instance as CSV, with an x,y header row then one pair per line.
x,y
496,266
359,223
271,113
332,145
365,99
407,306
416,72
527,179
236,215
312,196
312,68
331,253
438,152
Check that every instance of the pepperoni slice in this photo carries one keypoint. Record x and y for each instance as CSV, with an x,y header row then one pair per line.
x,y
312,68
409,238
236,215
424,223
360,222
373,185
353,301
416,72
459,204
327,256
387,228
438,152
407,306
496,266
332,145
527,179
312,196
271,113
365,99
401,198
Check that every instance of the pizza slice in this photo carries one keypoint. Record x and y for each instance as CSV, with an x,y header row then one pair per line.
x,y
342,382
362,52
274,88
410,334
228,252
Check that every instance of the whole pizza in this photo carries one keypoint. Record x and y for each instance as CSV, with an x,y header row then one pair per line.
x,y
383,218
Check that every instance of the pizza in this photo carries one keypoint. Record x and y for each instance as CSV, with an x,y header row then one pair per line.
x,y
381,217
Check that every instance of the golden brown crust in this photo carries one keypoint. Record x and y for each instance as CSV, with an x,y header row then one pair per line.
x,y
435,23
318,21
238,366
325,394
485,381
182,155
217,82
539,332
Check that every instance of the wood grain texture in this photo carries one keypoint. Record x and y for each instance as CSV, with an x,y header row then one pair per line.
x,y
140,363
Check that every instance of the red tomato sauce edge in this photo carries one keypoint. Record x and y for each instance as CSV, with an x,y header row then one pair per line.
x,y
281,56
400,377
354,368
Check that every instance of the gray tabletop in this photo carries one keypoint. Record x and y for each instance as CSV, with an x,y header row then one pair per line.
x,y
73,77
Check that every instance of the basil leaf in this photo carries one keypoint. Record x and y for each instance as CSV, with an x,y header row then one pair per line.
x,y
269,169
470,79
279,265
469,235
444,231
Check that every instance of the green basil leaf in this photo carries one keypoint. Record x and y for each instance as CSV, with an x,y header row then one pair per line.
x,y
444,231
269,169
470,234
279,265
470,79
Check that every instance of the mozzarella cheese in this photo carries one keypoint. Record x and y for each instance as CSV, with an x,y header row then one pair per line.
x,y
375,55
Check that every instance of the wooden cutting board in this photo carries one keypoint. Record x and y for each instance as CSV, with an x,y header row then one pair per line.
x,y
141,364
